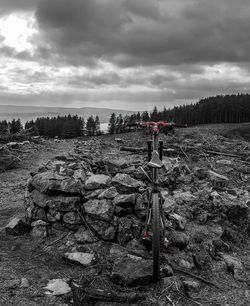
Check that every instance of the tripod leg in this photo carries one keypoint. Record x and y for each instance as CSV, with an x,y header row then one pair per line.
x,y
160,149
149,150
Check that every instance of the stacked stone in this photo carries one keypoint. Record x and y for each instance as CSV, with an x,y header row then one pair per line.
x,y
66,194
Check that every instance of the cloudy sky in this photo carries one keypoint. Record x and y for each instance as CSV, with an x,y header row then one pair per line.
x,y
125,54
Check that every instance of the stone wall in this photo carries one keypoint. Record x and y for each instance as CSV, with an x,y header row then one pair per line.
x,y
66,194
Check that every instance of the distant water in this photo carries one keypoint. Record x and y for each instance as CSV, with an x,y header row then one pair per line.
x,y
104,127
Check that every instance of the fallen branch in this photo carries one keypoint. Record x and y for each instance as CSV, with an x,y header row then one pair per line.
x,y
222,153
55,241
133,149
90,296
197,277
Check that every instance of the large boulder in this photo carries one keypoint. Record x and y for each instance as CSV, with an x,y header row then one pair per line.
x,y
99,208
60,203
132,271
51,183
125,183
97,181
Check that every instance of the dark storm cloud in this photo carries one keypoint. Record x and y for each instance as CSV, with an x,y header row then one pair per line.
x,y
9,6
140,32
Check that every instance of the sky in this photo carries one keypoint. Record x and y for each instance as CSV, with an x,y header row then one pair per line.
x,y
123,54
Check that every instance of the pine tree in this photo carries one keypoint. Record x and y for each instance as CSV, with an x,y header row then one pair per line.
x,y
97,125
112,124
90,126
3,127
145,116
154,115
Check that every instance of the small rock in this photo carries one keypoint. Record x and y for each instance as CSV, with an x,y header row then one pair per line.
x,y
99,208
84,259
17,226
97,181
117,251
109,193
178,239
140,174
39,229
124,200
106,230
217,179
191,286
225,162
234,266
24,283
93,194
132,271
125,183
79,174
72,218
166,271
201,173
172,281
83,236
135,247
186,264
129,228
11,284
184,197
178,221
57,287
129,170
140,207
168,204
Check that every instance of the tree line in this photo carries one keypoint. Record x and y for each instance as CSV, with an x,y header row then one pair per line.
x,y
218,109
64,126
10,127
61,126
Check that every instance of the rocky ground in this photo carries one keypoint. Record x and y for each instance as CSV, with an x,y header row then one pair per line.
x,y
84,205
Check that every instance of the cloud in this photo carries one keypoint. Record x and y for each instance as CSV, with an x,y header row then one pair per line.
x,y
126,54
9,6
139,32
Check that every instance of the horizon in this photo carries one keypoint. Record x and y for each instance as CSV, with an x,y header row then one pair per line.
x,y
129,54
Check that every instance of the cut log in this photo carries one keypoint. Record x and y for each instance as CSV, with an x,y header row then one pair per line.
x,y
133,149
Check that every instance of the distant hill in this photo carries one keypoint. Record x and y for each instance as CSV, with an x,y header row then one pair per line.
x,y
26,113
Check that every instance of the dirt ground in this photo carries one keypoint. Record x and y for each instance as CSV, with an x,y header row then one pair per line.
x,y
23,257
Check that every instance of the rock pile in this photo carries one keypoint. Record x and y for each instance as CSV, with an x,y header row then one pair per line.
x,y
67,194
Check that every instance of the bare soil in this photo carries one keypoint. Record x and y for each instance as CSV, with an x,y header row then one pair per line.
x,y
24,257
